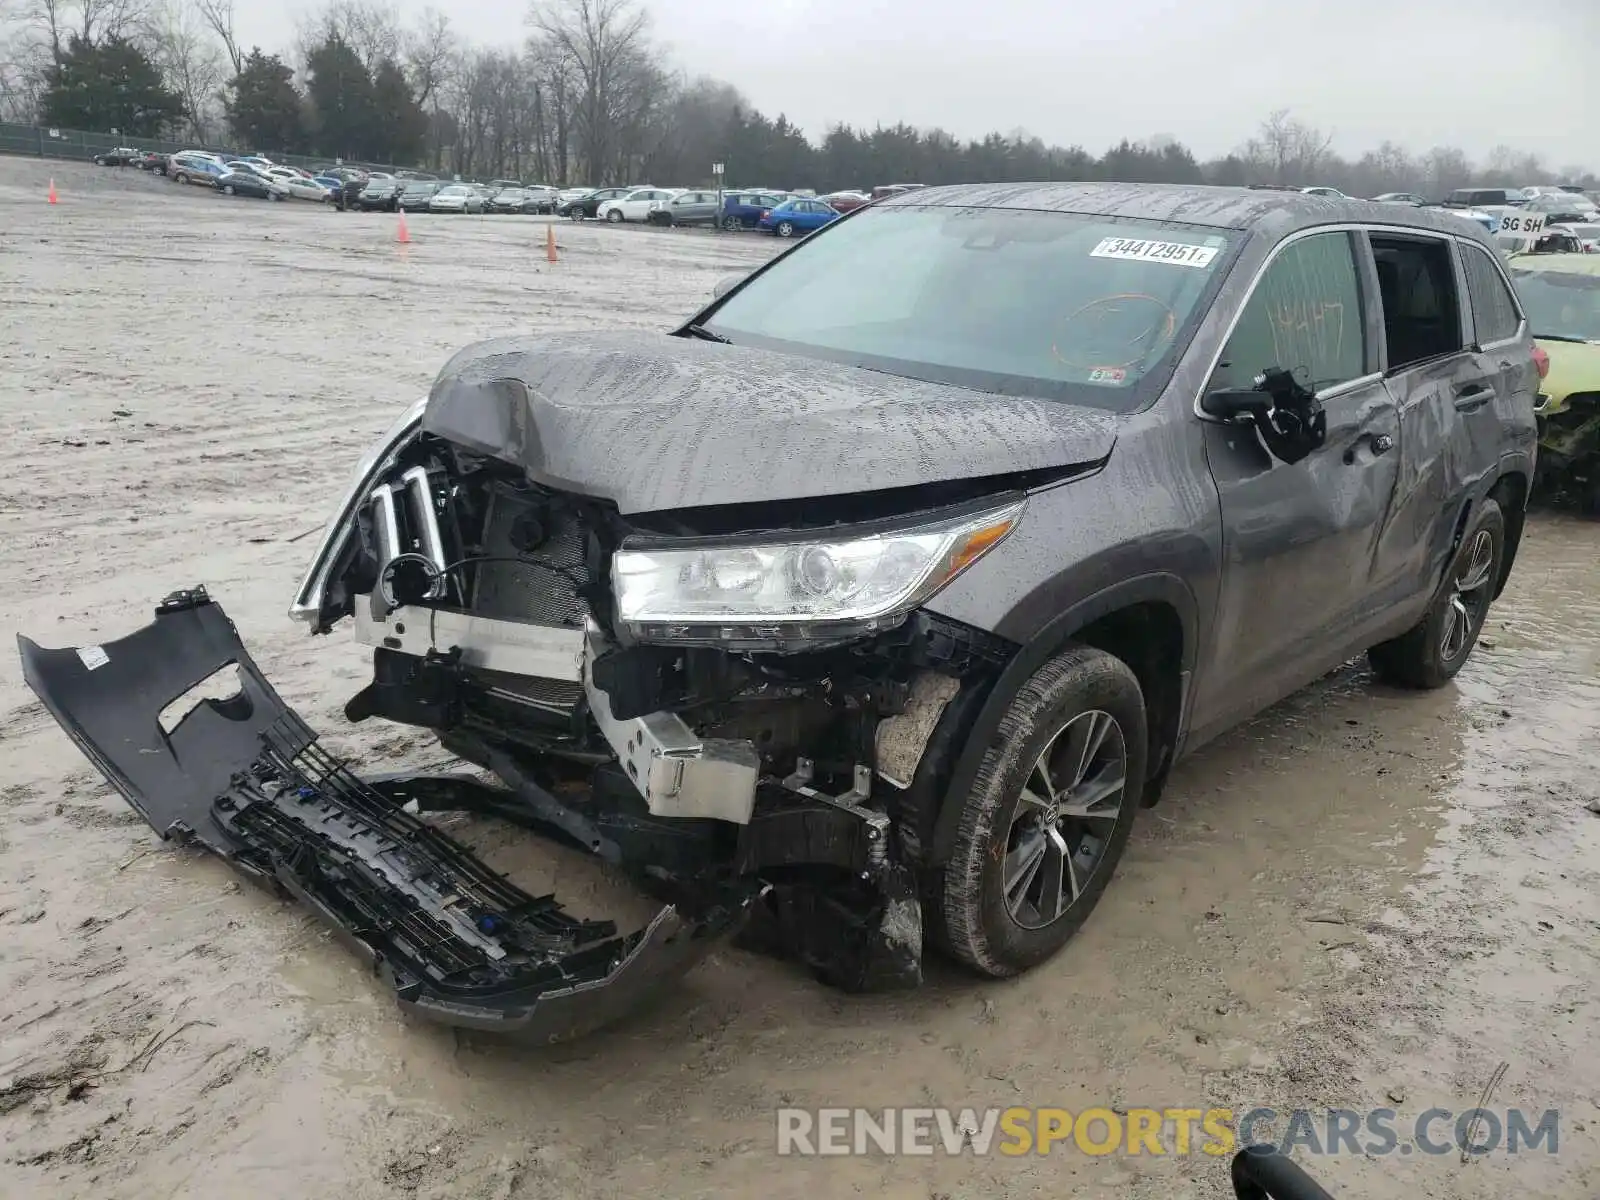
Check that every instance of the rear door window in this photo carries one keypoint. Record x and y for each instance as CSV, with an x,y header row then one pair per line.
x,y
1494,309
1417,287
1304,317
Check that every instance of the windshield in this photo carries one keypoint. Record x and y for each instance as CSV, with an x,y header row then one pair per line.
x,y
1560,304
1060,305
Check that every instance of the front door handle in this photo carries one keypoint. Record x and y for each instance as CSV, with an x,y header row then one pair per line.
x,y
1381,443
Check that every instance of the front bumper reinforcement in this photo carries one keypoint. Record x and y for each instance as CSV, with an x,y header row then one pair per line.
x,y
244,777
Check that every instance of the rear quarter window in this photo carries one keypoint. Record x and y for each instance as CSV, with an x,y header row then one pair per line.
x,y
1494,309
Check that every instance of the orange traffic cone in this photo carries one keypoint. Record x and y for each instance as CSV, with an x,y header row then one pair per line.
x,y
550,242
53,191
404,237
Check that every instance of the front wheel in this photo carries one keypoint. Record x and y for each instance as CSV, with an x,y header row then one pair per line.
x,y
180,177
614,216
1048,815
785,228
1429,654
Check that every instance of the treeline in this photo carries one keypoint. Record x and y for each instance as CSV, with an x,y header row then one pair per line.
x,y
587,97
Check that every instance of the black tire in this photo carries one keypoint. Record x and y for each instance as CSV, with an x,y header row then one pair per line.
x,y
785,229
614,216
180,177
1067,698
227,189
1429,654
730,223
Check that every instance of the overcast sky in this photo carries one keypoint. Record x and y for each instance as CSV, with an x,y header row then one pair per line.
x,y
1470,73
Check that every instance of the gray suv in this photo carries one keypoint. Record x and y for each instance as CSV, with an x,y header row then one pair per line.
x,y
874,602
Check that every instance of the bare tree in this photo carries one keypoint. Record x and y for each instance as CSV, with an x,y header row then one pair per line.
x,y
189,60
90,20
218,17
430,51
1286,149
608,45
369,27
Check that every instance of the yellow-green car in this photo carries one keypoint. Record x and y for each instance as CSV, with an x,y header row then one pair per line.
x,y
1561,295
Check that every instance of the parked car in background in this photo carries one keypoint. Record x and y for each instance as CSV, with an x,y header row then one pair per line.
x,y
588,205
844,202
635,206
1485,220
1486,198
245,182
380,194
195,166
456,198
686,208
306,188
497,185
1561,295
1400,198
1560,208
345,190
509,200
541,198
153,160
893,189
416,195
122,156
1329,193
1562,199
744,209
797,217
1587,233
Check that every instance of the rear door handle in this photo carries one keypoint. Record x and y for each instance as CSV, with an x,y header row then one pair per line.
x,y
1473,395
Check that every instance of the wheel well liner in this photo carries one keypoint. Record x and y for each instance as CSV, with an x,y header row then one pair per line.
x,y
1510,491
1148,621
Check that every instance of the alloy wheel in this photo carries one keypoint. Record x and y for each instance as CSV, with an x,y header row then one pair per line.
x,y
1064,818
1469,596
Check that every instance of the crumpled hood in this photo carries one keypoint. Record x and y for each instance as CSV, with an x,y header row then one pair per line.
x,y
655,422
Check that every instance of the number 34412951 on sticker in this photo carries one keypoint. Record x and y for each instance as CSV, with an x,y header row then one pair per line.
x,y
1178,254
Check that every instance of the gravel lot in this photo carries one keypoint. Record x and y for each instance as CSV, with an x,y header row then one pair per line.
x,y
1361,899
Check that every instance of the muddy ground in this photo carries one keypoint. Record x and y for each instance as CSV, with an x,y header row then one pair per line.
x,y
1362,899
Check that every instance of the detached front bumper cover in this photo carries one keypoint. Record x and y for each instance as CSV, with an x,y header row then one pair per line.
x,y
244,777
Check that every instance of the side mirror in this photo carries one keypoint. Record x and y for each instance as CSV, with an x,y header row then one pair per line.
x,y
725,285
1229,403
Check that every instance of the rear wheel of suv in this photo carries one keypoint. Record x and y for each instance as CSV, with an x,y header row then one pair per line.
x,y
1048,815
730,223
1429,654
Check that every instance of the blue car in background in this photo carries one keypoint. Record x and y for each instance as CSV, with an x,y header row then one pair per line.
x,y
744,209
798,216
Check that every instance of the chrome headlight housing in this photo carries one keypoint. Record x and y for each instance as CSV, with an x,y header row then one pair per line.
x,y
806,588
378,459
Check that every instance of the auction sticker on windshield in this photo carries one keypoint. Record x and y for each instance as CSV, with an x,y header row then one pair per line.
x,y
1180,254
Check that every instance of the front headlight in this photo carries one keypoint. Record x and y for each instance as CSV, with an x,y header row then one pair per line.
x,y
379,457
847,583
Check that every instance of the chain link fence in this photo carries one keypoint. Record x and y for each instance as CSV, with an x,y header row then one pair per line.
x,y
77,145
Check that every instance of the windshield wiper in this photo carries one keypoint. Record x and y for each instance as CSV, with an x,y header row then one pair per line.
x,y
1561,337
706,335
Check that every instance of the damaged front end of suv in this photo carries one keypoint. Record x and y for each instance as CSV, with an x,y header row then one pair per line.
x,y
733,701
